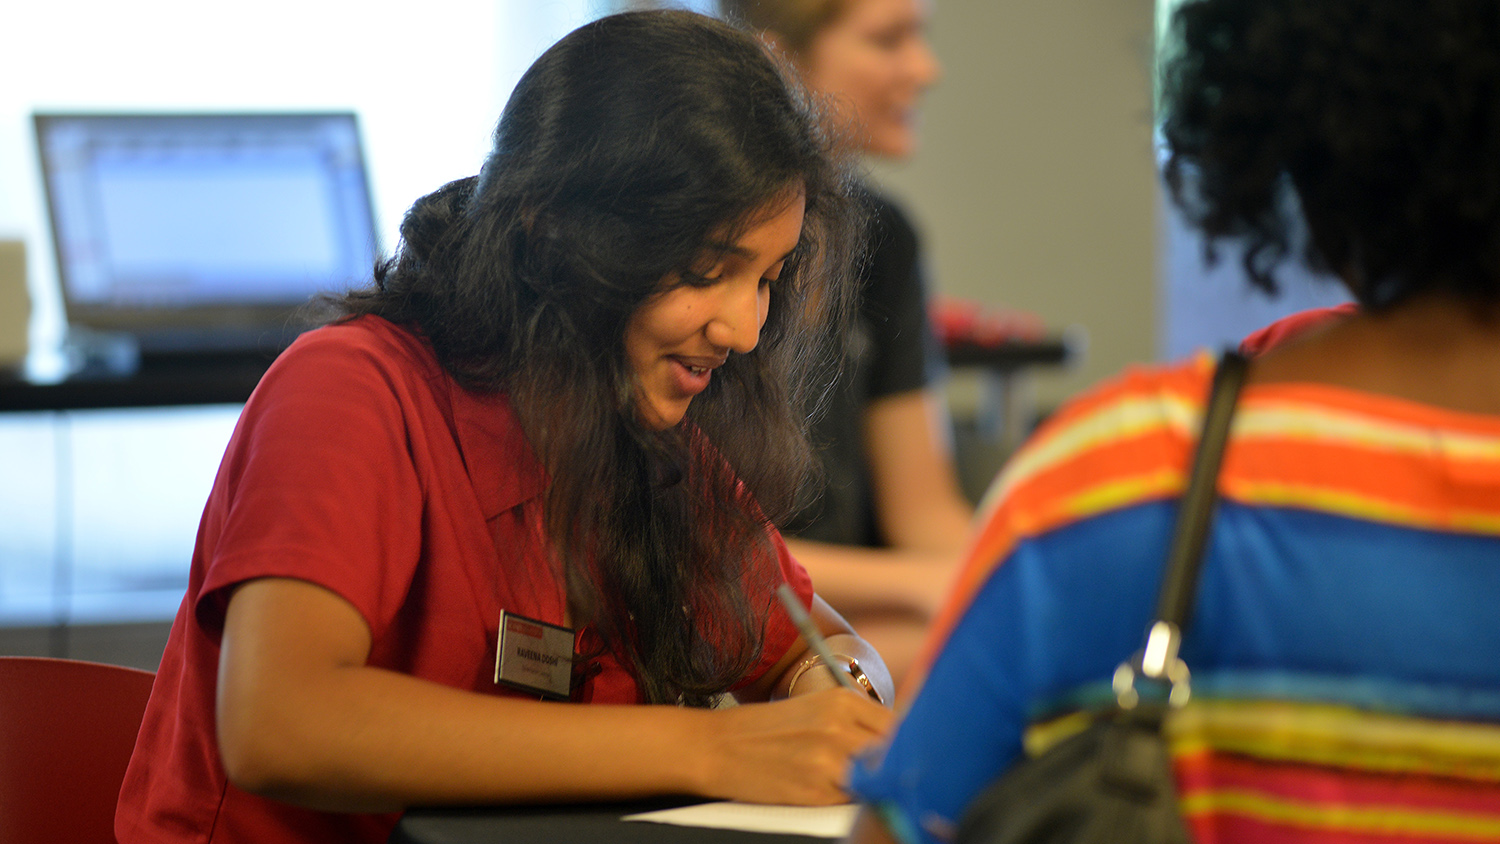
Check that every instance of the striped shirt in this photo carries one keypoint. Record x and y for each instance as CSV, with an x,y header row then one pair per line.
x,y
1345,643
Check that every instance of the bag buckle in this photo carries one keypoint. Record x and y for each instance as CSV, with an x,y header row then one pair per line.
x,y
1157,662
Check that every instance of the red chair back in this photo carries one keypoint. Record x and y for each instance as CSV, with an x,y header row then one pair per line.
x,y
67,729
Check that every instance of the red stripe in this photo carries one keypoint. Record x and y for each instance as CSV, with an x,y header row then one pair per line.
x,y
1328,786
1238,829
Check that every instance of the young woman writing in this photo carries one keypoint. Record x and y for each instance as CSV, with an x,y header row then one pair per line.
x,y
539,458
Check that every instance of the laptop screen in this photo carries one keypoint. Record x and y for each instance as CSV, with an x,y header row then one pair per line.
x,y
204,232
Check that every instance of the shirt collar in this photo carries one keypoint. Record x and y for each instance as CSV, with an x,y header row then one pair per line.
x,y
502,466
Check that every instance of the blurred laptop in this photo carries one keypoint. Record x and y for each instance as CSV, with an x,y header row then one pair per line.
x,y
198,236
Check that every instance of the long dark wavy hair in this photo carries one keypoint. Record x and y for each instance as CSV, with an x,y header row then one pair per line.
x,y
624,150
1378,119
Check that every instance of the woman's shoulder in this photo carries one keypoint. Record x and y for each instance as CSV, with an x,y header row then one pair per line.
x,y
1166,401
365,333
363,342
1130,440
365,361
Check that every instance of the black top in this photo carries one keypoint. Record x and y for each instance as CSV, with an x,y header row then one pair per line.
x,y
892,350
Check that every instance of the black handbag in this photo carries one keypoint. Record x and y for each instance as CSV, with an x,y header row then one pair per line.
x,y
1113,781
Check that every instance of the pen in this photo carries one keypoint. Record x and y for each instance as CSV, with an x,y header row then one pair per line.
x,y
812,636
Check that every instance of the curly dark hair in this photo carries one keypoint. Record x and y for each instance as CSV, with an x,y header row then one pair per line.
x,y
624,150
1378,119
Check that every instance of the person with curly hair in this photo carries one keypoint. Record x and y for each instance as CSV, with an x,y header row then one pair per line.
x,y
535,465
1344,648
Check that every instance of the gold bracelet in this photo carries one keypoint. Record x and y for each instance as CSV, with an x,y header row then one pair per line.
x,y
863,681
801,669
851,665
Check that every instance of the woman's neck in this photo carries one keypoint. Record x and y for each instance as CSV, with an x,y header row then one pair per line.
x,y
1436,350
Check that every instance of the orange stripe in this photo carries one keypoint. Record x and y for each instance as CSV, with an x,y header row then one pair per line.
x,y
1358,482
1354,454
1040,500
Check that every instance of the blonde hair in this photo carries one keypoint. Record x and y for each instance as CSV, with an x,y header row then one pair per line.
x,y
793,23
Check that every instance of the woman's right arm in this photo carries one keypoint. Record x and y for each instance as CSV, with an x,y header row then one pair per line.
x,y
302,718
892,593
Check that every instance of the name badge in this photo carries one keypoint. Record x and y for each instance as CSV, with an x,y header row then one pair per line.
x,y
534,656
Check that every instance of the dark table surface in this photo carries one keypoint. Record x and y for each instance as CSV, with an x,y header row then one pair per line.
x,y
1016,354
229,379
212,379
566,824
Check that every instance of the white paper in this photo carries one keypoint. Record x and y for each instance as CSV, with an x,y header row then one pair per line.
x,y
817,821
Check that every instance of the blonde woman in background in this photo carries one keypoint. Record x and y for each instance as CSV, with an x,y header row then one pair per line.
x,y
1344,645
890,520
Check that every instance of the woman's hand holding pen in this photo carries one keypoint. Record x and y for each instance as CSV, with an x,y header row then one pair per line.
x,y
795,751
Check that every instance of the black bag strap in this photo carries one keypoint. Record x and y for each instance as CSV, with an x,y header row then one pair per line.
x,y
1194,519
1196,512
1113,781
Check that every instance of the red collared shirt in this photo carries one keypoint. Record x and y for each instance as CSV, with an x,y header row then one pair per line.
x,y
360,465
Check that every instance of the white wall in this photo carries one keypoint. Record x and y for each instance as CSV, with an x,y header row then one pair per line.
x,y
1036,187
1035,181
100,501
427,79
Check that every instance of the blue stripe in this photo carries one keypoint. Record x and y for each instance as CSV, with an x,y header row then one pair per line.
x,y
1378,695
1311,603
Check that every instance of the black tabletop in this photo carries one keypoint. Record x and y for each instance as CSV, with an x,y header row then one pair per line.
x,y
229,379
210,379
566,824
1015,354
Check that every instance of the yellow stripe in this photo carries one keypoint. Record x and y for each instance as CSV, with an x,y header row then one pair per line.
x,y
1340,737
1268,418
1119,492
1444,739
991,546
1110,424
1040,737
1287,420
1112,495
1363,506
1318,816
